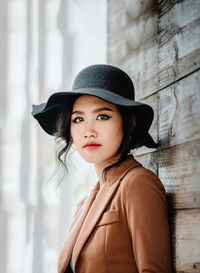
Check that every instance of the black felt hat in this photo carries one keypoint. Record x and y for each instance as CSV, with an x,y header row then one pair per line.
x,y
105,82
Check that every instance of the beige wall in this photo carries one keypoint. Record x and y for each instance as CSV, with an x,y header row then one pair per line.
x,y
158,44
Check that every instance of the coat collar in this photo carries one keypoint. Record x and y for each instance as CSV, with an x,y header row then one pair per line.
x,y
118,172
92,212
95,212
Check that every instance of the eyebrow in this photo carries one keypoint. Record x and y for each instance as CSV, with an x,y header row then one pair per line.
x,y
94,111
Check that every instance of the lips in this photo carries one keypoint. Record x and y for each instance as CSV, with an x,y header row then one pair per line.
x,y
92,145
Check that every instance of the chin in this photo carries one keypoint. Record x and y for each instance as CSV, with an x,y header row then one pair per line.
x,y
91,159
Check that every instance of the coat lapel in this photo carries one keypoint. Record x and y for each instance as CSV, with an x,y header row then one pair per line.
x,y
91,213
70,240
94,214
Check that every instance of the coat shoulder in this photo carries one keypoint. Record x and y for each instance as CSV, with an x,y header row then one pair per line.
x,y
141,180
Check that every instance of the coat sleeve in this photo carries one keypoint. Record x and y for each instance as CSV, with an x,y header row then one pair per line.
x,y
146,210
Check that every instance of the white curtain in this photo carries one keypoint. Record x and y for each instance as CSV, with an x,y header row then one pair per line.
x,y
44,43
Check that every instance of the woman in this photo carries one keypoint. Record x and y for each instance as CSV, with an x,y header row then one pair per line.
x,y
122,225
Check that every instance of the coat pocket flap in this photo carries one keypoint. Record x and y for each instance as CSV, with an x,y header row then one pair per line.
x,y
109,217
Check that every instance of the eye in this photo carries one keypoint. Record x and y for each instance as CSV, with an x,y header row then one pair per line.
x,y
103,117
77,120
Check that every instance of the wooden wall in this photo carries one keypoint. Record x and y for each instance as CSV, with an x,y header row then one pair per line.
x,y
158,44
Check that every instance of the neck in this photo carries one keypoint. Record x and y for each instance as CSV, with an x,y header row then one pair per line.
x,y
99,167
99,170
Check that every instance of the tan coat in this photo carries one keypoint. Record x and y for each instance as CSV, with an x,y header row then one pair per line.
x,y
125,229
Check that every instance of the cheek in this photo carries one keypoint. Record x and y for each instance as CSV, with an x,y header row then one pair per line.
x,y
116,133
76,136
73,133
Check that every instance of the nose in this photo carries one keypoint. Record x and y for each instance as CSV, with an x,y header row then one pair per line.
x,y
90,132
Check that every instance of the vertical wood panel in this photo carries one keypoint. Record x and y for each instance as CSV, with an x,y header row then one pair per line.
x,y
179,170
179,42
179,111
133,44
141,64
186,241
164,65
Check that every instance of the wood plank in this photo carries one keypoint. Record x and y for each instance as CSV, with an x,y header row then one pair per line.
x,y
136,8
141,65
177,13
186,240
148,161
130,35
126,11
133,46
179,111
179,171
139,31
165,5
178,168
116,13
179,42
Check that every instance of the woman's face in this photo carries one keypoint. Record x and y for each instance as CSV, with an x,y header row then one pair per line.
x,y
96,129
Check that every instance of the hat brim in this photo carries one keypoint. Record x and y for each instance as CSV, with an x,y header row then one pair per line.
x,y
46,113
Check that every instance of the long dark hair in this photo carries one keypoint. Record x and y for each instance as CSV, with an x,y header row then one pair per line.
x,y
62,134
63,137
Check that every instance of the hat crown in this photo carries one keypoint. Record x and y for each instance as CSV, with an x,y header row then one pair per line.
x,y
105,77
